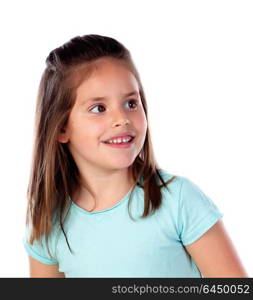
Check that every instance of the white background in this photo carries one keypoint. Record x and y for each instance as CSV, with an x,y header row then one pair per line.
x,y
196,65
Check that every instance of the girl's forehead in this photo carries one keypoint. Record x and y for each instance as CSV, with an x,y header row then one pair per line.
x,y
106,65
102,70
106,75
101,88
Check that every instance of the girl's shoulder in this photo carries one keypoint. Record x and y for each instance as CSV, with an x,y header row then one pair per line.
x,y
192,209
186,192
180,182
169,178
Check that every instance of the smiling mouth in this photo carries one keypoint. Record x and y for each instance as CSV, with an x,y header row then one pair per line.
x,y
132,138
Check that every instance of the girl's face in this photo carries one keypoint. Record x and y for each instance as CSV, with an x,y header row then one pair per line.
x,y
92,122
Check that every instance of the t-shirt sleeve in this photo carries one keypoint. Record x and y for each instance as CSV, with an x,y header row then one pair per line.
x,y
197,212
38,251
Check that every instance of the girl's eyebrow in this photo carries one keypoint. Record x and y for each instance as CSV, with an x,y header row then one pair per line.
x,y
97,99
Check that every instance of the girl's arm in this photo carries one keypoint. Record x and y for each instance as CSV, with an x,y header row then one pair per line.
x,y
215,255
38,269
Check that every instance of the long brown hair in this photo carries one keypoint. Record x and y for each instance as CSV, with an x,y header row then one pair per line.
x,y
54,175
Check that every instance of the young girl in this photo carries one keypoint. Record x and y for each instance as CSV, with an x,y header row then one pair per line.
x,y
98,204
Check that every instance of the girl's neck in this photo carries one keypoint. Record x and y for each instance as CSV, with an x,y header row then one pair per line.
x,y
105,196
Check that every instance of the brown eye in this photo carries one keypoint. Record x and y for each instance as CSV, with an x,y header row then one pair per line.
x,y
99,105
133,105
133,101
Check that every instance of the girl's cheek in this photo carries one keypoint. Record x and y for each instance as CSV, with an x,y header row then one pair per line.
x,y
143,120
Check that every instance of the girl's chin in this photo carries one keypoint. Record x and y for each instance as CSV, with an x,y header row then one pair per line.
x,y
120,164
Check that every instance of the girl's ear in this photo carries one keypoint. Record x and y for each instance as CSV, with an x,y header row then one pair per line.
x,y
63,136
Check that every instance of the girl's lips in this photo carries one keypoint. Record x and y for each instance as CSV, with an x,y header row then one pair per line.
x,y
122,135
123,145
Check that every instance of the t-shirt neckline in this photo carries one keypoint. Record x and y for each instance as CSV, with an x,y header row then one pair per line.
x,y
119,203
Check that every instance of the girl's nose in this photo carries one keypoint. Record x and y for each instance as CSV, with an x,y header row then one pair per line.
x,y
120,117
121,122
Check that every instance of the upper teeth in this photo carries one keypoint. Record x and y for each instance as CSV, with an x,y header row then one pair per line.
x,y
119,140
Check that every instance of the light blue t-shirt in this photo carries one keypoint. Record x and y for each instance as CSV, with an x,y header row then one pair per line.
x,y
109,243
